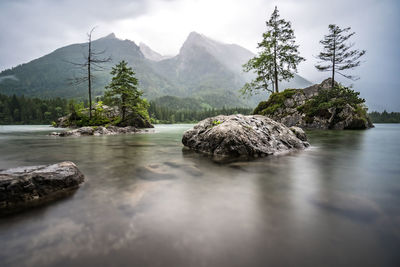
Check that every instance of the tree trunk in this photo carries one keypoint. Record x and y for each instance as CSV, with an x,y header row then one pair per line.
x,y
89,79
275,64
273,86
275,71
123,107
333,62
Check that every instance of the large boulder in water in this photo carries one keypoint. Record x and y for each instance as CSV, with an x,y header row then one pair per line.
x,y
238,135
28,186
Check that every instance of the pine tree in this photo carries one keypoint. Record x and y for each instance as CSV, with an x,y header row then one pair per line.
x,y
278,58
123,88
337,54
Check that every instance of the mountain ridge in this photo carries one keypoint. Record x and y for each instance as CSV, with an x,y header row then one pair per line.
x,y
205,69
150,53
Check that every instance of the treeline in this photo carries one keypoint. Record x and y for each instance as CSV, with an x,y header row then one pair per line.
x,y
21,110
162,114
385,117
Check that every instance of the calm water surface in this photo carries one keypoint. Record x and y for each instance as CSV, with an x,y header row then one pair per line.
x,y
146,202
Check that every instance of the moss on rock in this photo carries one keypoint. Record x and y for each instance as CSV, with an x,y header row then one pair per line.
x,y
275,101
329,108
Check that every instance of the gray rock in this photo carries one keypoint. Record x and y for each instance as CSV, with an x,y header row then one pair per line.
x,y
299,133
99,130
29,186
331,118
135,120
311,91
109,112
289,102
294,119
63,122
238,135
299,98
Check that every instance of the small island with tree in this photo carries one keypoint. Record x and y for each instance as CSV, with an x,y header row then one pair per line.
x,y
121,110
328,105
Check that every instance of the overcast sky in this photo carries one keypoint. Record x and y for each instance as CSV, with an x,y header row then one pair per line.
x,y
33,28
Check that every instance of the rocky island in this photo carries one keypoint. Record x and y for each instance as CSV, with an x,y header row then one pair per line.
x,y
25,187
122,111
106,121
100,130
320,106
243,136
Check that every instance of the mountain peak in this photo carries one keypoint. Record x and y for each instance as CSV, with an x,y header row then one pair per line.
x,y
195,37
109,36
194,34
230,55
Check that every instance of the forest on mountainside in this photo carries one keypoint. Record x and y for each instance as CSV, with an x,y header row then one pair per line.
x,y
23,110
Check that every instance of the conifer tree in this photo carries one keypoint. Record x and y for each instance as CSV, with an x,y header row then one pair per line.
x,y
278,57
123,88
337,54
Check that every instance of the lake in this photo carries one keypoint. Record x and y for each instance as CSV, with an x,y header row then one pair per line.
x,y
148,202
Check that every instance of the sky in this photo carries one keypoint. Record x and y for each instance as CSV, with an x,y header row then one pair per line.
x,y
32,28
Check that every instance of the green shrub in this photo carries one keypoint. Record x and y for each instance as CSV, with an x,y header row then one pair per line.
x,y
275,101
215,123
361,111
271,109
289,92
337,97
261,106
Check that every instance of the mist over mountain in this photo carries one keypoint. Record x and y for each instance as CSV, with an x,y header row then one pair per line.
x,y
150,53
206,70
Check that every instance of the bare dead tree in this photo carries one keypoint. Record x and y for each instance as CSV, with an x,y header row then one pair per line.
x,y
92,62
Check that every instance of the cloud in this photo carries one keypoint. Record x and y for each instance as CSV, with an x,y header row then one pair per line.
x,y
31,28
10,77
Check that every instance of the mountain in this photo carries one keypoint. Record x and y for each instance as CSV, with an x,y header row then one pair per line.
x,y
206,70
212,70
201,73
230,55
150,53
49,76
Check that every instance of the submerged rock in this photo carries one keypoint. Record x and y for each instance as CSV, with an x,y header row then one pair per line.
x,y
99,130
28,186
154,172
347,205
238,135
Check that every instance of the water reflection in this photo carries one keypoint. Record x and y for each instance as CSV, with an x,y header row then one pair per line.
x,y
147,202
